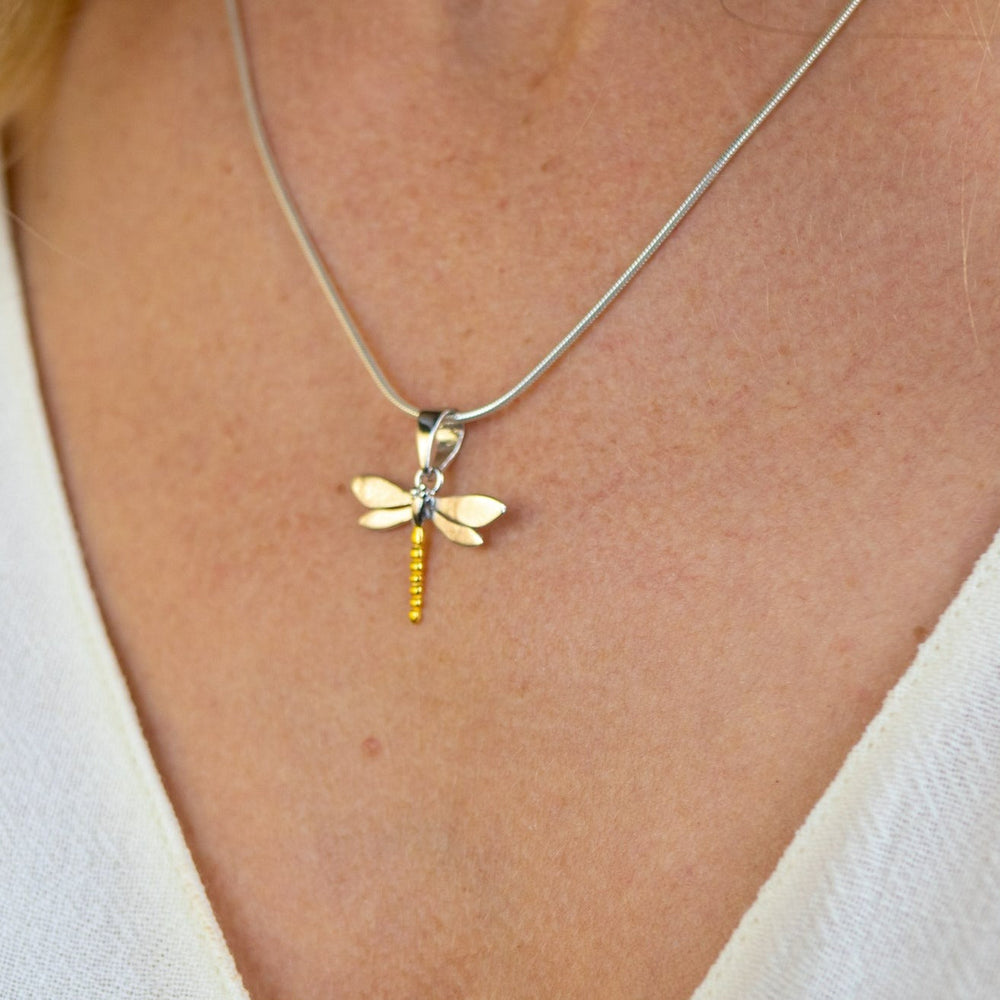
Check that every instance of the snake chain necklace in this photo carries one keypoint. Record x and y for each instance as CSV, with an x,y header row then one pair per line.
x,y
440,432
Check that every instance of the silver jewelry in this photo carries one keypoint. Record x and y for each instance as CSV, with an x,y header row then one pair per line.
x,y
440,432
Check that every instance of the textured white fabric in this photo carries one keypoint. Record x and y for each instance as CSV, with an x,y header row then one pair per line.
x,y
890,891
891,888
98,894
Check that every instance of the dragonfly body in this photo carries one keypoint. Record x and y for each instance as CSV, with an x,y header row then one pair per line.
x,y
417,552
457,518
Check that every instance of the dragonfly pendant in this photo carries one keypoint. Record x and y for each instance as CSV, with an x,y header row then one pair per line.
x,y
457,518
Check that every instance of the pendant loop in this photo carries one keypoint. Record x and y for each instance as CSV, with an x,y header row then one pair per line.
x,y
438,438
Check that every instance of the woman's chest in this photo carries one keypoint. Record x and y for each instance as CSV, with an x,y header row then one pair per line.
x,y
733,512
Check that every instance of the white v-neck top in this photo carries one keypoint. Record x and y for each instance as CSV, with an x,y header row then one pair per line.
x,y
891,889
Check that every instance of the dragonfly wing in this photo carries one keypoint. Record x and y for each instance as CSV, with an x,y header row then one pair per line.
x,y
460,533
471,511
385,517
374,491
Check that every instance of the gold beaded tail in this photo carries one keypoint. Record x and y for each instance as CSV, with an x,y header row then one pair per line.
x,y
417,544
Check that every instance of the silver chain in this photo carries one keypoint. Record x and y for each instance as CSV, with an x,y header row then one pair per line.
x,y
301,231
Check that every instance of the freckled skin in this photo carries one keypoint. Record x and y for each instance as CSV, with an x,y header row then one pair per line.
x,y
727,530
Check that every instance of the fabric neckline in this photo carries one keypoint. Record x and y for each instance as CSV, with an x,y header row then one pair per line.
x,y
721,980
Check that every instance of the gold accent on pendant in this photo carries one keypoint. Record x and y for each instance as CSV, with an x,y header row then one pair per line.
x,y
417,542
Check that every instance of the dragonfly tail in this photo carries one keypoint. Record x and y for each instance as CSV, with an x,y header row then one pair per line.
x,y
417,550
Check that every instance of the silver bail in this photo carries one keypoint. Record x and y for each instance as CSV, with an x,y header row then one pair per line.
x,y
438,438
